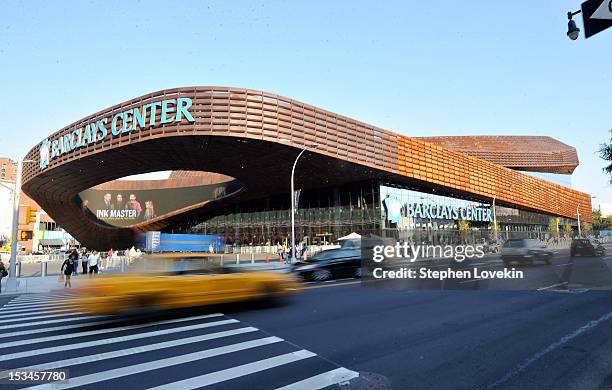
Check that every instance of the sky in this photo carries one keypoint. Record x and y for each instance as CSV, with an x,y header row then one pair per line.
x,y
417,68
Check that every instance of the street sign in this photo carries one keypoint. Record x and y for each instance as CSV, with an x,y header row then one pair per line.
x,y
596,16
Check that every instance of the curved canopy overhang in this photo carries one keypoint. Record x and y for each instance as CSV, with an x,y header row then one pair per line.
x,y
254,136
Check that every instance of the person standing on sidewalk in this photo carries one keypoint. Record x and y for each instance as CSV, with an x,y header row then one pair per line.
x,y
68,268
3,273
84,261
93,262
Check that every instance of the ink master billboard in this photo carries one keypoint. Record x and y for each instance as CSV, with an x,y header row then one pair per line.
x,y
124,208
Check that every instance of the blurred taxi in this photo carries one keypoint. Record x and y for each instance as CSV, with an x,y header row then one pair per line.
x,y
125,293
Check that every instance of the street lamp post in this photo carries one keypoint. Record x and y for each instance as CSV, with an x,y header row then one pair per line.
x,y
494,218
578,214
11,283
293,249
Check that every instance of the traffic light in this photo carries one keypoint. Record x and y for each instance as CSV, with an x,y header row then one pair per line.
x,y
25,235
31,215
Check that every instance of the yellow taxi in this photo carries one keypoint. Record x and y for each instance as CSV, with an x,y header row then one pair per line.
x,y
137,292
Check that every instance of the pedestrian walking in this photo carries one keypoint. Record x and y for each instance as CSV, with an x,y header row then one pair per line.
x,y
68,267
279,251
93,262
75,261
3,273
85,261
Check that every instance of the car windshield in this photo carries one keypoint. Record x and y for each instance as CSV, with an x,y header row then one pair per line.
x,y
333,254
513,244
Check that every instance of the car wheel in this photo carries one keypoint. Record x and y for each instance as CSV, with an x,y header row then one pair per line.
x,y
321,275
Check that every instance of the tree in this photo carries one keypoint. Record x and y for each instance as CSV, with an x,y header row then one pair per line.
x,y
586,227
597,219
567,230
464,228
493,231
605,152
553,227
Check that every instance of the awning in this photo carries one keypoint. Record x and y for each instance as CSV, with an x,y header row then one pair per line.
x,y
51,242
352,236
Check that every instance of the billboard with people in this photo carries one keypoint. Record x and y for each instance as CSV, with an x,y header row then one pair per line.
x,y
123,208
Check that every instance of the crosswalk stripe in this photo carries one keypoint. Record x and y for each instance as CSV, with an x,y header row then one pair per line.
x,y
339,375
235,372
148,348
35,308
12,326
17,315
33,305
53,329
39,300
38,317
102,331
200,381
86,344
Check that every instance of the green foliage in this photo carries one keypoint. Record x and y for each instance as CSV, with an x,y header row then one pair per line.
x,y
567,230
493,231
553,227
605,152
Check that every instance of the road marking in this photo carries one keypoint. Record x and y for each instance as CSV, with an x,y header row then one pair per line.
x,y
553,286
235,372
331,285
474,280
339,375
34,297
195,382
148,348
35,308
563,265
39,317
36,304
12,326
565,339
119,339
45,330
16,315
103,331
16,302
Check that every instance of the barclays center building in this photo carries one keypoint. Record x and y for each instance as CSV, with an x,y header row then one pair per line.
x,y
230,153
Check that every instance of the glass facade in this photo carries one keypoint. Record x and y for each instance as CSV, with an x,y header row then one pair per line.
x,y
418,217
322,216
372,207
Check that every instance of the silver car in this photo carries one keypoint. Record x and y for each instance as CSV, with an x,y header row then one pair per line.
x,y
525,250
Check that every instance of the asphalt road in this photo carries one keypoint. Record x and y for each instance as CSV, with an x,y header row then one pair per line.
x,y
549,339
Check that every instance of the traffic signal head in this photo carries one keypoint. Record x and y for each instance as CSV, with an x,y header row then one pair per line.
x,y
31,215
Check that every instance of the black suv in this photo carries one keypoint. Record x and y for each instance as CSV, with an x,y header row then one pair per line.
x,y
586,247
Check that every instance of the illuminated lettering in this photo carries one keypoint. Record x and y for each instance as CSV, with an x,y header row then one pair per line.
x,y
139,117
114,130
163,118
102,128
182,107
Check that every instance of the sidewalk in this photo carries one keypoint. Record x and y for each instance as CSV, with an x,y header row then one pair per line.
x,y
34,285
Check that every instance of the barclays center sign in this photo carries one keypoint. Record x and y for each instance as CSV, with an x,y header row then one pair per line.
x,y
396,210
122,122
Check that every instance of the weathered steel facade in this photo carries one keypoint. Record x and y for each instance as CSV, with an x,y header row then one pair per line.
x,y
254,136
